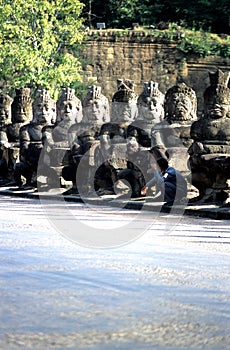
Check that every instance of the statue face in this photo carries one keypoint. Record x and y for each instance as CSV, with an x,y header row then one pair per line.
x,y
4,112
215,108
5,109
21,110
179,106
21,106
21,113
44,112
152,110
70,110
124,111
96,111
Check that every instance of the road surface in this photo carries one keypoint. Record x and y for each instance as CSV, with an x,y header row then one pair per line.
x,y
165,288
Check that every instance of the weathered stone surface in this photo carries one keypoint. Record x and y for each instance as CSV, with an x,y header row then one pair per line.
x,y
44,113
84,139
145,58
5,118
150,104
21,113
112,154
171,137
210,151
56,137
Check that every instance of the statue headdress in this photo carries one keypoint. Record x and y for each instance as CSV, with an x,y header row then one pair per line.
x,y
94,93
23,98
125,91
218,90
150,92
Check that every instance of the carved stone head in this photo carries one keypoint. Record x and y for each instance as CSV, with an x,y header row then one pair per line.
x,y
69,107
151,103
21,106
96,106
5,108
217,96
124,102
44,108
180,104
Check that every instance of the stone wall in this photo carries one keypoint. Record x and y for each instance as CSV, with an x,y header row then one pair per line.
x,y
140,57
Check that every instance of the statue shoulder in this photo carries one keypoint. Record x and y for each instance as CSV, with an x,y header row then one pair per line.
x,y
197,128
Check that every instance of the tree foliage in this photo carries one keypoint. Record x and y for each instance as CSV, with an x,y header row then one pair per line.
x,y
212,15
38,40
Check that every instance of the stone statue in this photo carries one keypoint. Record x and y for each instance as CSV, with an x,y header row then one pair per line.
x,y
210,151
21,113
137,166
111,156
150,105
21,106
84,138
131,137
5,117
56,136
171,137
96,110
44,113
124,103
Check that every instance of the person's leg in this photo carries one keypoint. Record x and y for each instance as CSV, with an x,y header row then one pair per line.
x,y
169,192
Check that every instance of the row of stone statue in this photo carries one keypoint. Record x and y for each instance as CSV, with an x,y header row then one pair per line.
x,y
94,143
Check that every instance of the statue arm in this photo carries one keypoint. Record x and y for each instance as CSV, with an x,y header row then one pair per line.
x,y
75,146
47,138
71,137
196,131
106,117
156,138
4,139
24,138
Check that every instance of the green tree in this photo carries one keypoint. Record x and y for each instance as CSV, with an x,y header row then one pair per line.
x,y
115,13
38,43
211,15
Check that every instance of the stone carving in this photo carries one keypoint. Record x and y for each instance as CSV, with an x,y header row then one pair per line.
x,y
171,137
21,106
150,105
21,113
124,103
210,151
111,157
116,149
137,166
55,137
44,112
84,138
96,110
180,104
5,117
